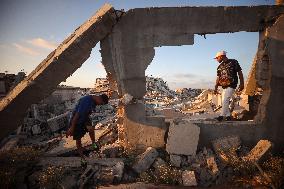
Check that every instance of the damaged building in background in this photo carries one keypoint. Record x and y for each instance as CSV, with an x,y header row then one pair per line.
x,y
167,131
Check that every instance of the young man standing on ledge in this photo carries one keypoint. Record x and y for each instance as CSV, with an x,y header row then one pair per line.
x,y
80,122
227,77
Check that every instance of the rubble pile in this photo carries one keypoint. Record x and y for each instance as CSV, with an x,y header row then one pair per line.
x,y
177,164
186,94
181,162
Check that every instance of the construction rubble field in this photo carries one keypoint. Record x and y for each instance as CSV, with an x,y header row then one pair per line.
x,y
149,136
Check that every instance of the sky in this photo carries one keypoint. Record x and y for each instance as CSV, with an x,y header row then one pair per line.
x,y
31,29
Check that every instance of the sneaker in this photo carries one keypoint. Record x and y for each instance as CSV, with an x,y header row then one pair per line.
x,y
83,162
220,118
228,118
94,146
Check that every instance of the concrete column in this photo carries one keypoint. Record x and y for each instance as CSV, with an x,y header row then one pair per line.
x,y
274,107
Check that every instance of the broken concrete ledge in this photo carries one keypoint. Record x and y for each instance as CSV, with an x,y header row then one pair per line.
x,y
249,132
76,161
139,185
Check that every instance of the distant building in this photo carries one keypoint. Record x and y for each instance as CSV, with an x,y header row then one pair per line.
x,y
9,81
101,86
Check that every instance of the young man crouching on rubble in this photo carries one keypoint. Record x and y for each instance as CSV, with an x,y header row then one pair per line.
x,y
80,120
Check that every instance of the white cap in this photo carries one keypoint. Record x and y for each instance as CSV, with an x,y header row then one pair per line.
x,y
220,53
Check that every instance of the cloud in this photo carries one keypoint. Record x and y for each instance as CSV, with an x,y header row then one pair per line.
x,y
184,75
42,43
188,80
26,50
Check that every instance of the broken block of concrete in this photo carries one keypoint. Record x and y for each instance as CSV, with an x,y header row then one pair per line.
x,y
145,160
159,162
226,143
111,150
109,175
258,151
188,178
183,138
212,165
226,147
88,173
175,160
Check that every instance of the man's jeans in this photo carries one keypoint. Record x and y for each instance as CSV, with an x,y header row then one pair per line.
x,y
227,94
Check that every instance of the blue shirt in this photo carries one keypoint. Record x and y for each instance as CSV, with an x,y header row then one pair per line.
x,y
84,108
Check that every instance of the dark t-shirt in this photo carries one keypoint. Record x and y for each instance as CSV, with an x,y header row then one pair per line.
x,y
84,108
230,67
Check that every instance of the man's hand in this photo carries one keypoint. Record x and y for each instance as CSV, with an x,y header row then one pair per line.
x,y
215,92
241,88
70,132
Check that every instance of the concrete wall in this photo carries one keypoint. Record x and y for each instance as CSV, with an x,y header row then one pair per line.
x,y
129,49
274,122
58,65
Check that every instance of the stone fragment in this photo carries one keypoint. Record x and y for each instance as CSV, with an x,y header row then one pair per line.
x,y
88,173
126,99
188,178
111,150
36,129
258,151
106,175
183,138
212,165
175,160
118,171
145,160
226,143
159,162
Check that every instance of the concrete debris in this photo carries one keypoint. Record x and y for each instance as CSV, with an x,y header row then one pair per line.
x,y
226,143
145,160
127,98
188,178
182,138
111,150
175,160
258,151
146,111
88,173
110,175
10,143
212,165
159,162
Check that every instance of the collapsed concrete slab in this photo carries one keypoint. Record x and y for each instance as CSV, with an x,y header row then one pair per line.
x,y
175,160
226,143
258,151
67,144
182,138
145,160
54,69
188,178
76,161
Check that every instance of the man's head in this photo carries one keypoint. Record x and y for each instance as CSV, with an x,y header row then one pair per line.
x,y
102,99
220,56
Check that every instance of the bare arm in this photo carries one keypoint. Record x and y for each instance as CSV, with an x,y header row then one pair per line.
x,y
74,120
241,77
216,85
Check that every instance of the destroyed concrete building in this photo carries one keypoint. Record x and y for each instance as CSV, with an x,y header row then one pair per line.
x,y
9,81
101,85
176,145
127,49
